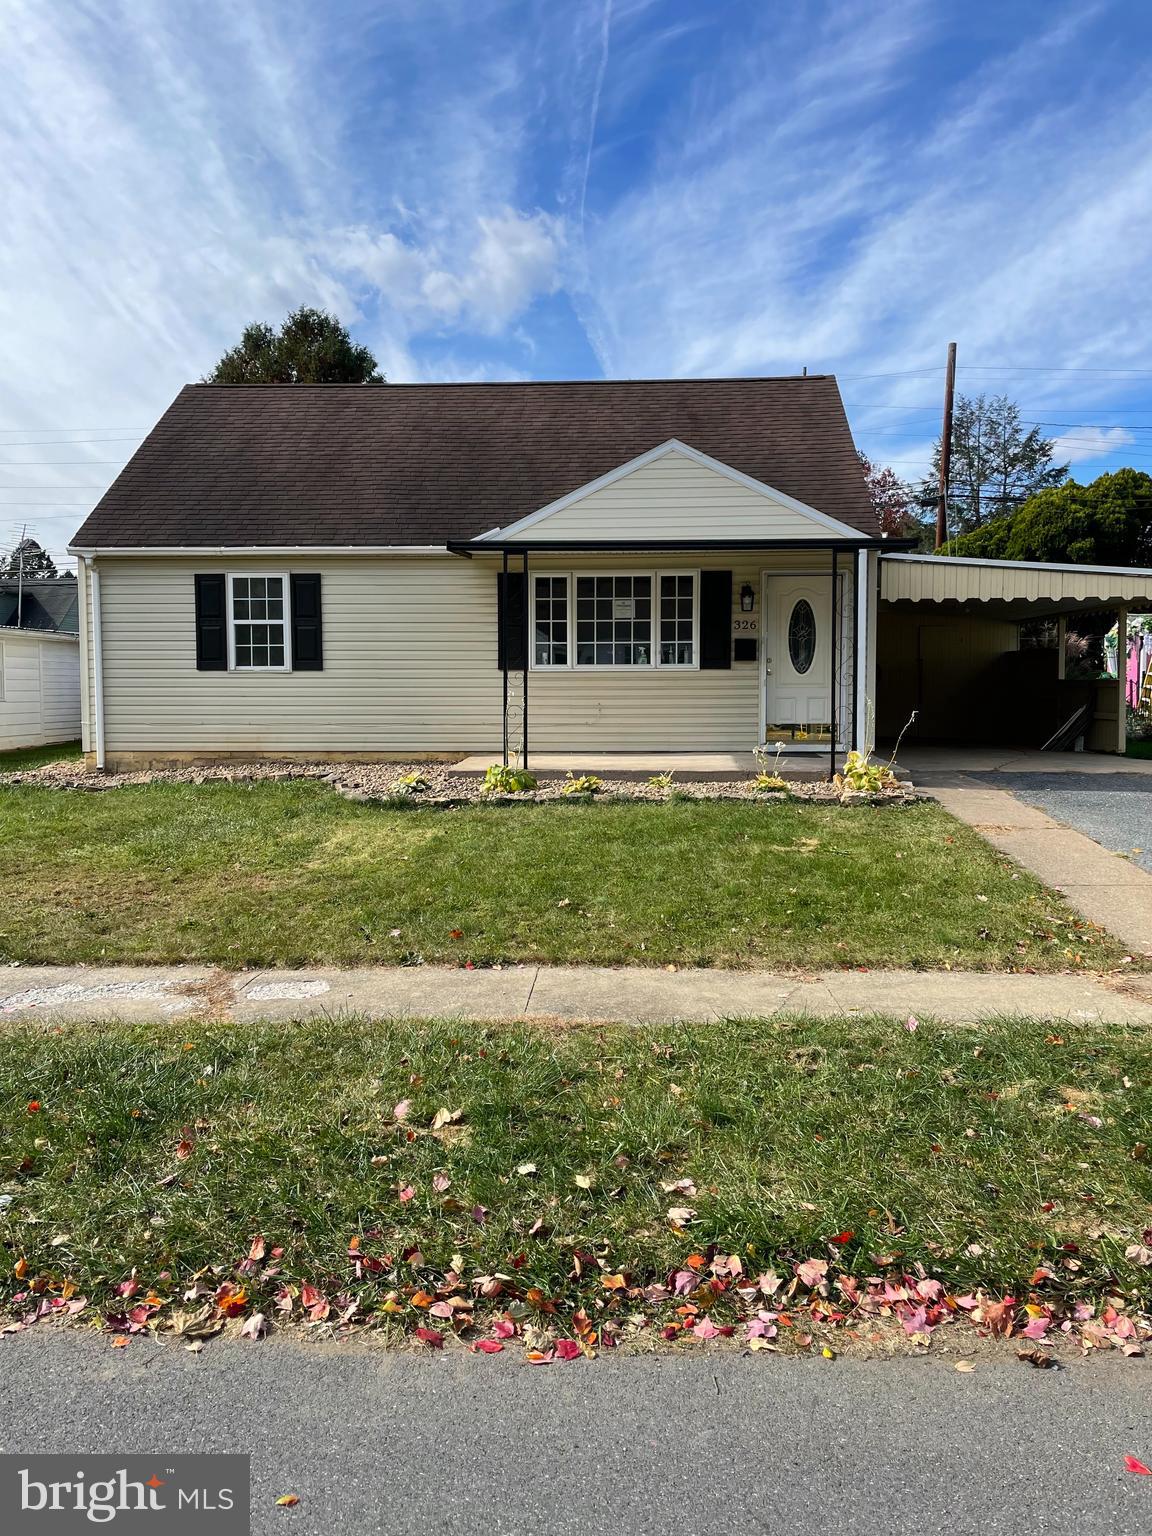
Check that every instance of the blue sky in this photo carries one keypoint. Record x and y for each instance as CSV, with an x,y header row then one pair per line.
x,y
491,190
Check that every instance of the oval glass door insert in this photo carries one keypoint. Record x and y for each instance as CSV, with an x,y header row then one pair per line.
x,y
802,636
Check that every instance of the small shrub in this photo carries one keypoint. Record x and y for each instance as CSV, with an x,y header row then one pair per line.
x,y
582,784
860,773
769,778
411,784
660,780
764,781
500,779
1139,725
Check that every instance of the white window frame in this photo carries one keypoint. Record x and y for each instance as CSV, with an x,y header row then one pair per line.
x,y
282,576
655,665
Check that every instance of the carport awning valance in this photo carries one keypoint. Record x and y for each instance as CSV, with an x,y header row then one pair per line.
x,y
1015,585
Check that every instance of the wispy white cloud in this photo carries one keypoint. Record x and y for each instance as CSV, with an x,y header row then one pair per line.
x,y
1077,445
168,174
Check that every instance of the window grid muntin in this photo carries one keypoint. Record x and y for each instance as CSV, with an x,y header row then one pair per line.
x,y
550,621
677,619
648,615
257,622
604,637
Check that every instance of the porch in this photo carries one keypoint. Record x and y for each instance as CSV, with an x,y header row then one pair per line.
x,y
687,767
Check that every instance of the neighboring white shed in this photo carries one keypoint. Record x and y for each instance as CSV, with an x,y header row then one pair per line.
x,y
39,688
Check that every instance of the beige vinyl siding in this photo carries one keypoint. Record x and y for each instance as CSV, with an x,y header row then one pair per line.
x,y
409,661
409,666
663,709
948,580
675,497
39,689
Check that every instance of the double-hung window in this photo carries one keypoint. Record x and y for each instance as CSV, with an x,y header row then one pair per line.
x,y
258,628
616,619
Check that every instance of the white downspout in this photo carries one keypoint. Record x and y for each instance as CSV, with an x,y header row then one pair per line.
x,y
97,661
865,660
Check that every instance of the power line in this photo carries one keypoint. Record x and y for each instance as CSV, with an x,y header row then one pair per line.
x,y
63,442
1037,368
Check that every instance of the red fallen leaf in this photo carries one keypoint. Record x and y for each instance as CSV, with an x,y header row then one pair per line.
x,y
456,933
504,1328
842,1237
430,1336
406,1193
670,1330
487,1347
1132,1465
232,1302
33,1106
568,1349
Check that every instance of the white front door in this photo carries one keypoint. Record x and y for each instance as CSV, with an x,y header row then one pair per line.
x,y
797,659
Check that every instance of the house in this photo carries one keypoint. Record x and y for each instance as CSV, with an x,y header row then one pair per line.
x,y
526,570
39,662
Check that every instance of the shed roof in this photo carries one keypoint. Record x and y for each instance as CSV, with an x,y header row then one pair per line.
x,y
417,464
1017,588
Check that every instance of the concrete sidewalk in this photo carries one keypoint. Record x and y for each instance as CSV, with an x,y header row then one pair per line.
x,y
1102,886
634,995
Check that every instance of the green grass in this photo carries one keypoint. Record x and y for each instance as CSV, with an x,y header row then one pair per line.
x,y
24,758
290,874
1139,748
978,1152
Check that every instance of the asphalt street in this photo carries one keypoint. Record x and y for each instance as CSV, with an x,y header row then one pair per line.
x,y
397,1444
1114,809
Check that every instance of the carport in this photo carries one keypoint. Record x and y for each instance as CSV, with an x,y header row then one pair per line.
x,y
950,652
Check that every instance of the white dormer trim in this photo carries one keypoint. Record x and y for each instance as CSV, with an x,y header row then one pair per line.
x,y
673,445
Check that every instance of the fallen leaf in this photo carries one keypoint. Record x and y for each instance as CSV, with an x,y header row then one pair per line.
x,y
487,1347
406,1194
254,1327
1132,1465
525,1169
964,1365
444,1117
430,1336
680,1216
1039,1359
568,1349
286,1500
440,1182
402,1110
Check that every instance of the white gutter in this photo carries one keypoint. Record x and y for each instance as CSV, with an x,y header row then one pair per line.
x,y
221,550
97,660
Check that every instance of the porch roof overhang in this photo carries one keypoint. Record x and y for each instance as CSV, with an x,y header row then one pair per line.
x,y
1011,588
469,548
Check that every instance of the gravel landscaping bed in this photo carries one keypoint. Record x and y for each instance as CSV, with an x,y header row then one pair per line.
x,y
383,781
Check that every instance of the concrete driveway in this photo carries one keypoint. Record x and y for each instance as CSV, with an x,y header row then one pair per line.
x,y
1113,809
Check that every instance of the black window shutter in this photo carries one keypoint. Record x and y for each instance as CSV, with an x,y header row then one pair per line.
x,y
511,621
307,624
715,620
211,624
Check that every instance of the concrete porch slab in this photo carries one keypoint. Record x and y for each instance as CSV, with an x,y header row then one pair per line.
x,y
689,767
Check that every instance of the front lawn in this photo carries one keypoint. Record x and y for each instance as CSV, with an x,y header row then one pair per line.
x,y
247,874
579,1167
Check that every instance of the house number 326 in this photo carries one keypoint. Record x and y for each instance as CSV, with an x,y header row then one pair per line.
x,y
744,626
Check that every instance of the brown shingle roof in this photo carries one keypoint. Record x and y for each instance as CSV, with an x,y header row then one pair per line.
x,y
297,464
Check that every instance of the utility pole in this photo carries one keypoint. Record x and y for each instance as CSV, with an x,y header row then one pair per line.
x,y
20,578
946,447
